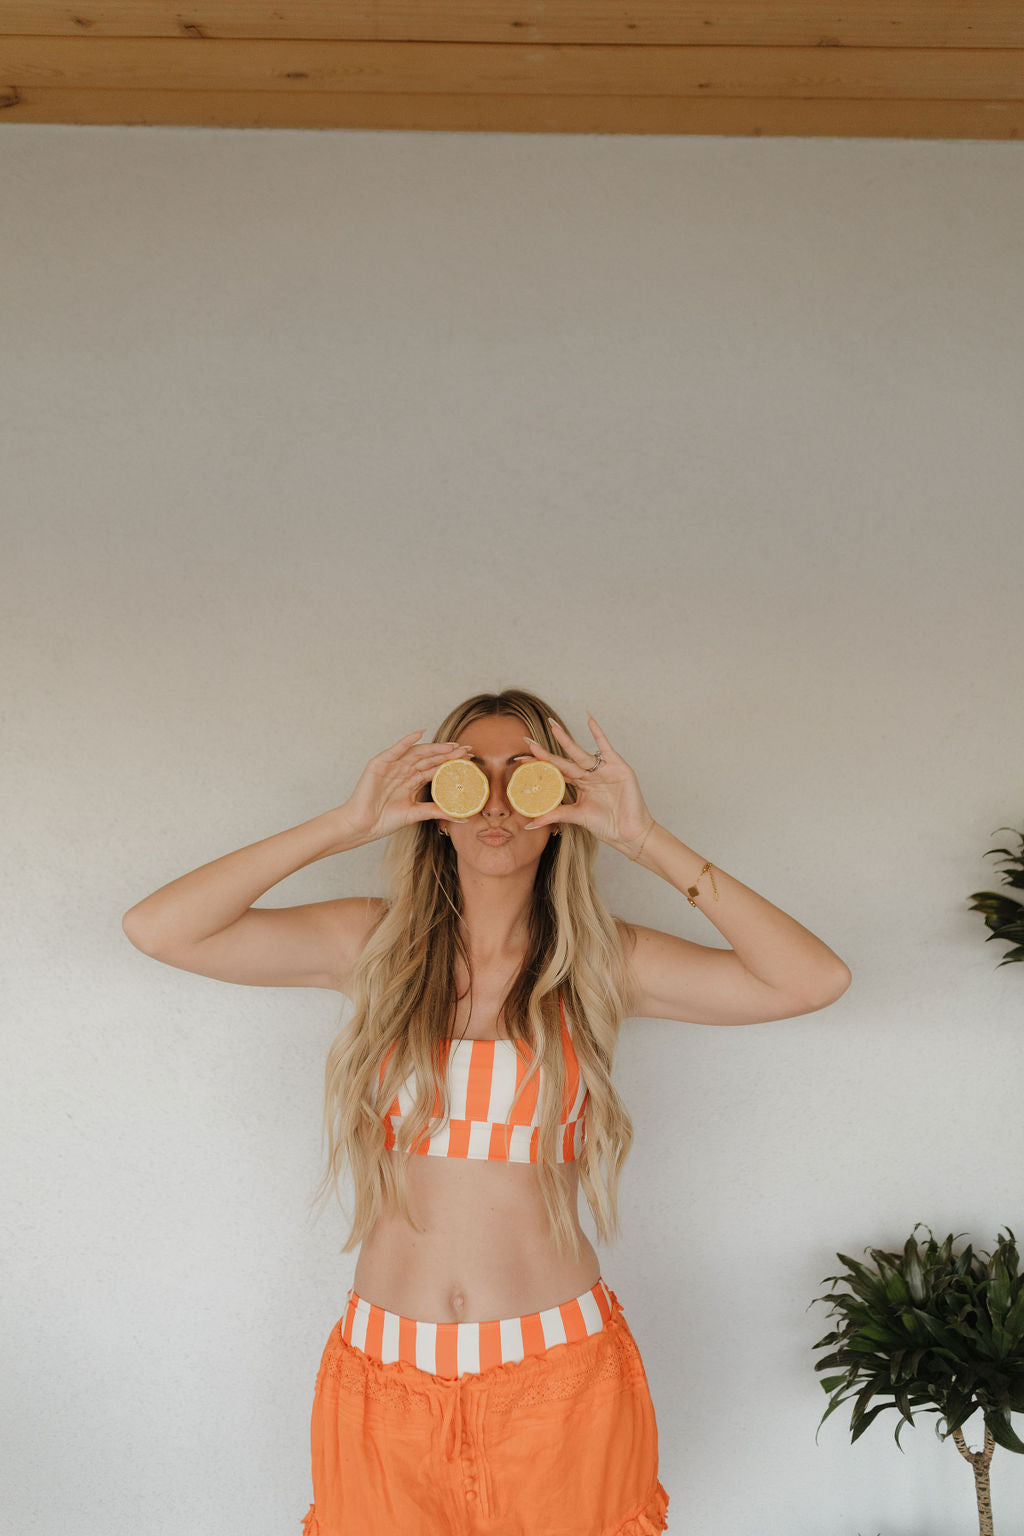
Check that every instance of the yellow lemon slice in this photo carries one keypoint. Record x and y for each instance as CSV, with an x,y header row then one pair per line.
x,y
535,788
460,788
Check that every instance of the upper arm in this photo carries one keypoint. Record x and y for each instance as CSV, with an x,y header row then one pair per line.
x,y
315,945
696,984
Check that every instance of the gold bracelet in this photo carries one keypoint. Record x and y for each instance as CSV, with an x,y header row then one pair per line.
x,y
692,891
635,856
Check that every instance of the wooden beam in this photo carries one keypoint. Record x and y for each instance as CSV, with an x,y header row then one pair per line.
x,y
480,69
496,113
803,24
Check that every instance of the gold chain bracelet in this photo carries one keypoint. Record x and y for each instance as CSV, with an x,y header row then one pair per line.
x,y
692,891
635,856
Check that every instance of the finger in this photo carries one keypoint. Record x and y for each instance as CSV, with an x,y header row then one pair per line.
x,y
433,813
400,745
572,747
569,745
429,810
410,744
600,737
426,770
568,768
540,822
433,762
431,752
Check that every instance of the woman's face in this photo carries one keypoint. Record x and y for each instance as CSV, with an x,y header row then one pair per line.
x,y
498,745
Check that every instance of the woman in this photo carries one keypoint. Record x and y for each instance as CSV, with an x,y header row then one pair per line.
x,y
483,1377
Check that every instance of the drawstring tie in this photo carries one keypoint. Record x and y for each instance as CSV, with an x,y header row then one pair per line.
x,y
451,1415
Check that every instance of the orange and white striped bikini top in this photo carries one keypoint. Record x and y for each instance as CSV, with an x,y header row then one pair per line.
x,y
483,1076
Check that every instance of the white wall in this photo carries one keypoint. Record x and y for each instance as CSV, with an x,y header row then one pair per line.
x,y
308,435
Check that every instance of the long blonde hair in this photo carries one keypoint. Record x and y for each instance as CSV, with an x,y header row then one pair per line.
x,y
403,1000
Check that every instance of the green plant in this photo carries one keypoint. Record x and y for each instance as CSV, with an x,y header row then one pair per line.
x,y
1003,915
936,1331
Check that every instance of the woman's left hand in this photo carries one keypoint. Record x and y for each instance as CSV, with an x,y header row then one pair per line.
x,y
609,802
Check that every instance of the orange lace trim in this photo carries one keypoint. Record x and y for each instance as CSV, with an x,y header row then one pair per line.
x,y
648,1521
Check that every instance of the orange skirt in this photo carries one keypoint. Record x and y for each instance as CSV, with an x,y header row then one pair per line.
x,y
562,1442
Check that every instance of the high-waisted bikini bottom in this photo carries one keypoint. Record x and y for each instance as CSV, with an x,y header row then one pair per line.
x,y
540,1425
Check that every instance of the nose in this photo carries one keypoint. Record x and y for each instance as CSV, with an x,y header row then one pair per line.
x,y
496,807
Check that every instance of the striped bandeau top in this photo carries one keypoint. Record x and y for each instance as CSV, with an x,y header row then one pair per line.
x,y
483,1077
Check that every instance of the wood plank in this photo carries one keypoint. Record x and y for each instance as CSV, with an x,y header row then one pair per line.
x,y
477,69
525,114
806,23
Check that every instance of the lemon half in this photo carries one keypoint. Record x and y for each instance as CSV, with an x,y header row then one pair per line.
x,y
460,788
535,788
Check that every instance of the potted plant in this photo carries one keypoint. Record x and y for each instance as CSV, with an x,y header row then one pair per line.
x,y
936,1331
1003,915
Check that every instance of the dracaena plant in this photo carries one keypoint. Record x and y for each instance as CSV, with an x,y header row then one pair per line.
x,y
933,1331
1003,914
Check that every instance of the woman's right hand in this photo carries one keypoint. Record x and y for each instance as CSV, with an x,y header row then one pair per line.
x,y
387,794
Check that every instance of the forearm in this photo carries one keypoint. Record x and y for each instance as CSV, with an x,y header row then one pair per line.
x,y
207,899
769,944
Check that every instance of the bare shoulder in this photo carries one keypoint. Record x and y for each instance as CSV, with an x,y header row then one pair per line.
x,y
627,933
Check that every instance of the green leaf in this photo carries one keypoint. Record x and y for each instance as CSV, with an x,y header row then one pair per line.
x,y
827,1414
940,1334
861,1280
861,1346
913,1270
877,1384
1002,1431
1001,1345
830,1338
895,1286
878,1333
868,1418
998,1288
958,1410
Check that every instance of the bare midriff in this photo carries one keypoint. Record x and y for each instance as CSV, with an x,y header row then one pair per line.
x,y
486,1251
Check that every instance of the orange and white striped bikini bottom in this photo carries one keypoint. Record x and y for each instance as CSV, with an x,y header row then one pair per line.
x,y
540,1425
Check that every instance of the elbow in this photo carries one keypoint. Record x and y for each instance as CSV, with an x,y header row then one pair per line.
x,y
832,988
843,978
133,933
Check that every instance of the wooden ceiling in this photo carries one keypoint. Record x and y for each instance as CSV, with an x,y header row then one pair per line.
x,y
918,69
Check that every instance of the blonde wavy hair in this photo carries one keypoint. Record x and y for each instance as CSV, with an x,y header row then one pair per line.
x,y
403,997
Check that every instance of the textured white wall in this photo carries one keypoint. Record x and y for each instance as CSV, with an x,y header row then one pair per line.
x,y
308,435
